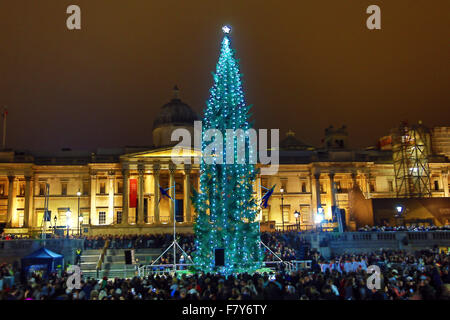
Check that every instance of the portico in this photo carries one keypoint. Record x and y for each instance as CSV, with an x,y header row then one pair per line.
x,y
150,170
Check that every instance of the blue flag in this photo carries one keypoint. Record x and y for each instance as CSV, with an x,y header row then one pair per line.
x,y
265,198
164,193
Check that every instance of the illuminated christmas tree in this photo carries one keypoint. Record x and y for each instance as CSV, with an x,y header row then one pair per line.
x,y
225,205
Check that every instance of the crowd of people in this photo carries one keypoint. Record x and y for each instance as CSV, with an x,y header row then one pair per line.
x,y
420,276
283,245
409,228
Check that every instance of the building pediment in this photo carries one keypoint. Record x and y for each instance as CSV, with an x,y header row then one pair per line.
x,y
162,154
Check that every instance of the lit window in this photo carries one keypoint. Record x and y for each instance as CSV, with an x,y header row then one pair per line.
x,y
102,217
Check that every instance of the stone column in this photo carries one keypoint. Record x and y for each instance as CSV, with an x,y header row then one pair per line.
x,y
445,182
332,189
140,213
34,219
11,200
354,183
156,168
93,210
367,178
125,196
317,182
187,193
28,195
171,191
111,196
312,189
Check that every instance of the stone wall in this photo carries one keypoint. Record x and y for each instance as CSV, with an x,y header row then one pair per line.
x,y
331,244
136,229
15,250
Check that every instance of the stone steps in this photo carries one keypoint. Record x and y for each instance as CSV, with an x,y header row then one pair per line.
x,y
114,262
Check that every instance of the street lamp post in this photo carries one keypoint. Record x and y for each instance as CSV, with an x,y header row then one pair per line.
x,y
399,217
55,219
282,206
68,216
319,218
79,195
297,215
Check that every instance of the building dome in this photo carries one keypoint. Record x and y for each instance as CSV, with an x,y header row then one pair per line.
x,y
292,143
174,115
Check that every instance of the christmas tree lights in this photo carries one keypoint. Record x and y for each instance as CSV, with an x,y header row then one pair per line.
x,y
225,205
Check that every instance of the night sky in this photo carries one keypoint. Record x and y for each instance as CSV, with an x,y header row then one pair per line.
x,y
306,65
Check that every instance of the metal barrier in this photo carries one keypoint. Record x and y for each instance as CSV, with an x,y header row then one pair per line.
x,y
302,264
147,270
101,258
286,265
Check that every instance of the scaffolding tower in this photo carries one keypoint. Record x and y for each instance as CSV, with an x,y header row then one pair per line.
x,y
410,151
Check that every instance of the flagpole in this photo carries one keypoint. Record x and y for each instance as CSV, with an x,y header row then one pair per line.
x,y
174,231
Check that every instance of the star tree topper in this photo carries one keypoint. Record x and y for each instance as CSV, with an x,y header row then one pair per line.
x,y
226,29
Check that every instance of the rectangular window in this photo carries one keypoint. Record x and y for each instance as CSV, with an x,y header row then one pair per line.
x,y
22,189
305,214
21,218
120,187
102,187
286,210
436,185
265,182
2,189
85,188
265,214
118,217
179,210
62,218
85,217
322,188
303,187
42,189
337,186
391,185
283,184
64,188
372,186
102,217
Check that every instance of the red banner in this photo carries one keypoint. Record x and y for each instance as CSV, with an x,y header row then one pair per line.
x,y
133,193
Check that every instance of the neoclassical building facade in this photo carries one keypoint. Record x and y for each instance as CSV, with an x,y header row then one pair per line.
x,y
117,191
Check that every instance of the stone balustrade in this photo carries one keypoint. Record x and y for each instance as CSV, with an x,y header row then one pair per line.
x,y
14,250
330,243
